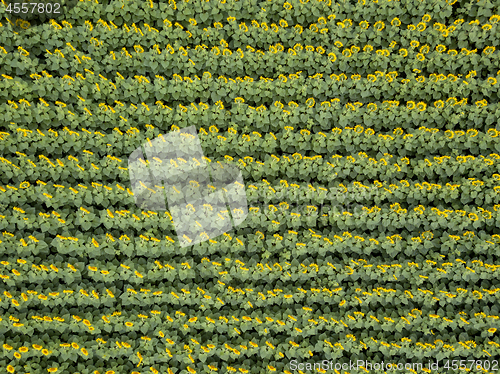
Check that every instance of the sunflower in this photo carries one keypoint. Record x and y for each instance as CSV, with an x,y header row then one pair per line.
x,y
424,49
364,25
440,48
379,25
310,102
473,217
347,53
338,44
421,26
426,18
471,73
403,52
439,104
452,52
410,105
421,106
414,43
439,26
489,50
452,100
396,22
492,133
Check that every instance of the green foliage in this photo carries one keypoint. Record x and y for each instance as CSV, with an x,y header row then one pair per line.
x,y
366,133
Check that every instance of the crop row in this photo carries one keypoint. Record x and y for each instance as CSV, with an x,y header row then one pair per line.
x,y
146,245
360,168
337,322
411,192
304,11
311,114
295,87
324,272
149,353
154,61
264,324
259,297
237,144
258,32
358,216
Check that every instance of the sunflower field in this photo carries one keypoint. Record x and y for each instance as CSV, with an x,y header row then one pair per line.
x,y
367,134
